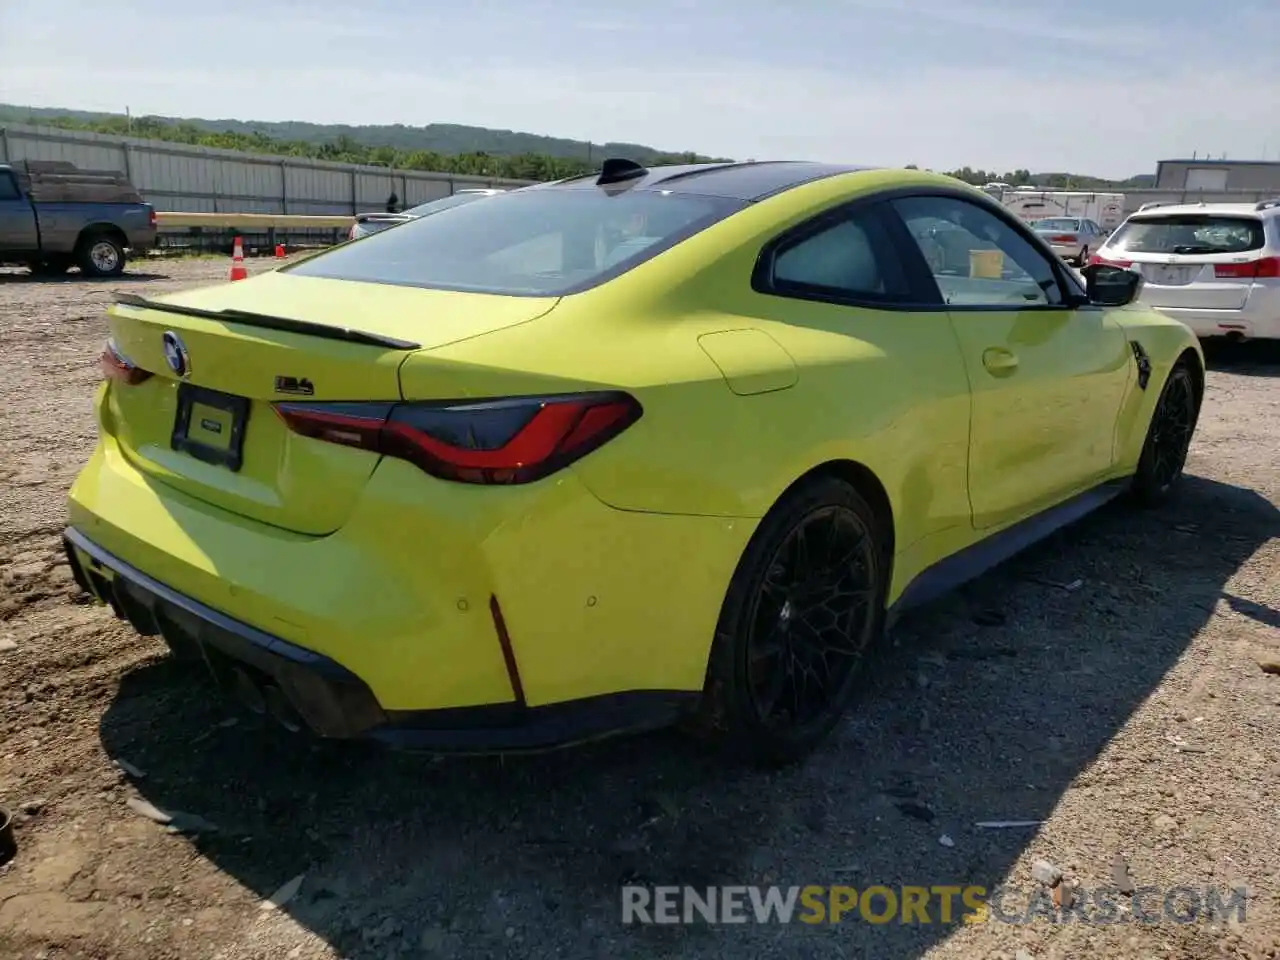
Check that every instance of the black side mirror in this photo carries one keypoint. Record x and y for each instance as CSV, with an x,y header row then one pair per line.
x,y
1110,286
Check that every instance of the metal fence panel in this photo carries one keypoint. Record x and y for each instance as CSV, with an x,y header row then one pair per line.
x,y
179,177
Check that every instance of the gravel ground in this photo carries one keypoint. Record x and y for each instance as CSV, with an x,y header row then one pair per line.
x,y
1133,714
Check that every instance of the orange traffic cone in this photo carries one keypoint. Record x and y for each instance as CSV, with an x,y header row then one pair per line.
x,y
279,251
238,271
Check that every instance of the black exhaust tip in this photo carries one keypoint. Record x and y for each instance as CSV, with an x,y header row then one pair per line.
x,y
8,842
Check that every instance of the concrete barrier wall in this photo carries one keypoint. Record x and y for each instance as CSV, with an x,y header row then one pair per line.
x,y
176,177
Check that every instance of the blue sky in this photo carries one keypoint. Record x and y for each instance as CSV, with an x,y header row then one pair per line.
x,y
1087,86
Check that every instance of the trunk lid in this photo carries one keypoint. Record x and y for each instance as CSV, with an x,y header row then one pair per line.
x,y
1191,282
185,431
1059,237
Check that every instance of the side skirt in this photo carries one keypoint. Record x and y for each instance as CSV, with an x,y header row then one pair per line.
x,y
973,561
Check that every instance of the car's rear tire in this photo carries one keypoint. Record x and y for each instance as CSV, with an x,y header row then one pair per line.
x,y
100,255
1164,451
806,601
1084,256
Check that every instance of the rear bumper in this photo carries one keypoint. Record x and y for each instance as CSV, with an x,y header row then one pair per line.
x,y
385,627
1259,316
330,700
1247,322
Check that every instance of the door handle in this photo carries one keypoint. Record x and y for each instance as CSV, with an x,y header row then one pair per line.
x,y
999,362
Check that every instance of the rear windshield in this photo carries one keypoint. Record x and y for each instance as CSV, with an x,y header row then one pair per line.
x,y
1052,224
540,242
1189,233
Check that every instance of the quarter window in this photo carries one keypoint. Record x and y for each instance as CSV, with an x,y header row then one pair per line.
x,y
849,258
976,258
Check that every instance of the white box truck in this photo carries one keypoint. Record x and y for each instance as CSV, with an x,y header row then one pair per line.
x,y
1032,203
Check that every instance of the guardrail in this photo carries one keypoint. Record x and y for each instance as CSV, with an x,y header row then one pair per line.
x,y
179,220
180,232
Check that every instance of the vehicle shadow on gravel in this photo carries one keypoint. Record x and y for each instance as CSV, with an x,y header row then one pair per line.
x,y
69,278
1253,358
986,706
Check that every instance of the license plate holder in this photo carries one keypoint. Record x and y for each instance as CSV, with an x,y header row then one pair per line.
x,y
1172,276
209,425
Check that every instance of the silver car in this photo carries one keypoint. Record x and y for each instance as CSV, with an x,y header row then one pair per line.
x,y
367,223
1072,238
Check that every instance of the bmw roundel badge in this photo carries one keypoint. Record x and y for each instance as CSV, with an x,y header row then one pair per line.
x,y
175,354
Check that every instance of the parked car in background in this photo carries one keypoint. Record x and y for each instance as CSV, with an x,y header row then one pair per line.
x,y
1072,238
370,223
54,216
1214,266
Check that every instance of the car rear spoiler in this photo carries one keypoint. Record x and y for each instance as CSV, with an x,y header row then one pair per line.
x,y
381,218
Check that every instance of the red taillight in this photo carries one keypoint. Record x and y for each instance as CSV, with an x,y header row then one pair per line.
x,y
116,366
1110,262
488,442
151,217
1063,238
1266,267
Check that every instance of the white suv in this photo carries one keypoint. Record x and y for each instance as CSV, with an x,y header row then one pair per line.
x,y
1214,266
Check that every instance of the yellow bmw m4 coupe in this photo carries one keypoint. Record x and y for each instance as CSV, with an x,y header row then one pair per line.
x,y
615,452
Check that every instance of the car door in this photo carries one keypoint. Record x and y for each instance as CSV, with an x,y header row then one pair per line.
x,y
882,380
17,219
1047,371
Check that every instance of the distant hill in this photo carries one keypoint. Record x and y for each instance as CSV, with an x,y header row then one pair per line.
x,y
439,138
444,147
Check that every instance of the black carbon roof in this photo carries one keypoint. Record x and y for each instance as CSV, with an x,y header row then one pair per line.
x,y
748,181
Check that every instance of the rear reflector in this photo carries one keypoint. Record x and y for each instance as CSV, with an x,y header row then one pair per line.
x,y
1110,262
116,366
1267,267
507,441
1063,238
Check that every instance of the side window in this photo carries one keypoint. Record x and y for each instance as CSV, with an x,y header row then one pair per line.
x,y
8,190
850,258
977,259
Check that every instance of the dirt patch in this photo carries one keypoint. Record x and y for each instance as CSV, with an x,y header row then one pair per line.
x,y
1129,713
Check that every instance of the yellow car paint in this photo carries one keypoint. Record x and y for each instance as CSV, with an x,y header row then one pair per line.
x,y
750,361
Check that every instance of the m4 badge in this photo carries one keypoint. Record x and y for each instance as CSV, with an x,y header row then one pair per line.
x,y
295,386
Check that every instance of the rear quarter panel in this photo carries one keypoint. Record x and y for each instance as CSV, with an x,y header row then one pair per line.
x,y
883,389
61,224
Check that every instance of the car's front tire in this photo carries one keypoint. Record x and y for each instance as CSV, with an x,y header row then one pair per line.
x,y
1173,422
806,601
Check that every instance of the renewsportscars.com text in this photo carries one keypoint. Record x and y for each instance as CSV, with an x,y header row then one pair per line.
x,y
945,904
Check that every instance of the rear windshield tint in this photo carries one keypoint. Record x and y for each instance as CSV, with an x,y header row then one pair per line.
x,y
1189,233
541,242
1067,225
